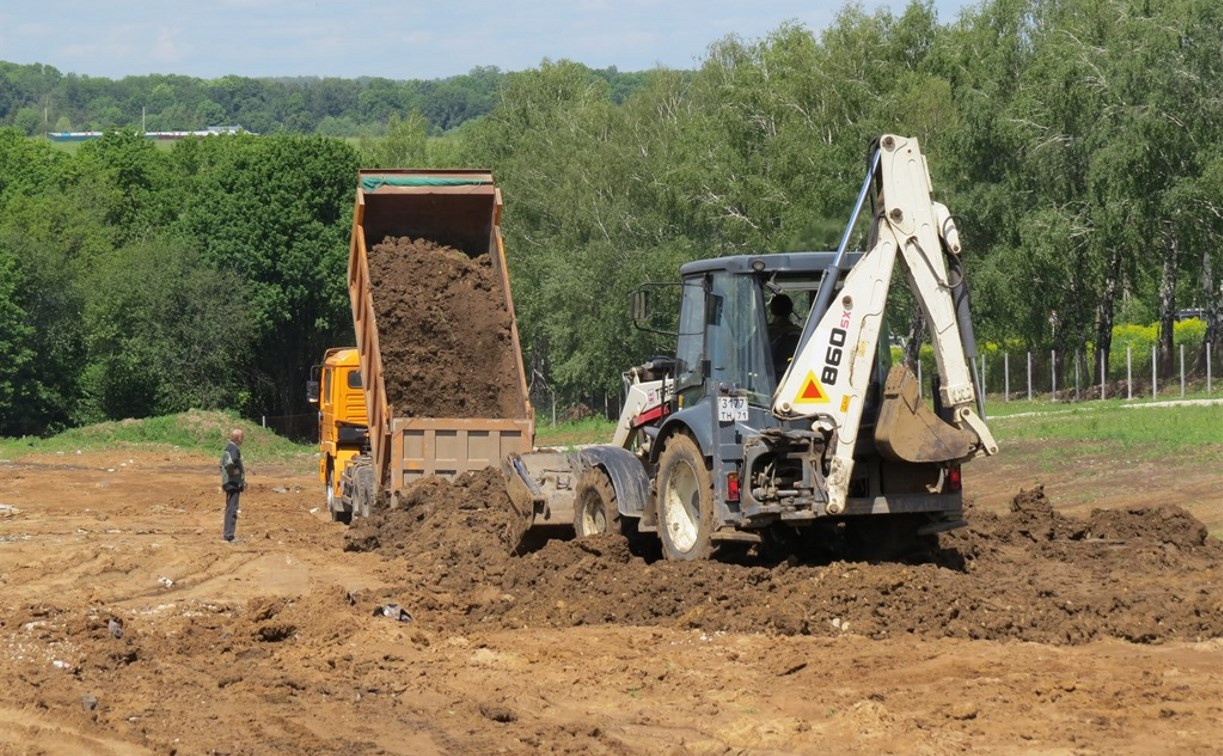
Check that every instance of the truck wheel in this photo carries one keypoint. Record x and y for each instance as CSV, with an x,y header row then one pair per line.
x,y
685,501
364,498
595,510
337,512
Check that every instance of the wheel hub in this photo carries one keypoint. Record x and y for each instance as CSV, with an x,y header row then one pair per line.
x,y
682,514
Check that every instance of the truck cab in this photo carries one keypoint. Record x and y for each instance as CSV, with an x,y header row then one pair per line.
x,y
343,425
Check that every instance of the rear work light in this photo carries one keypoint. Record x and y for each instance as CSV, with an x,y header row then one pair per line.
x,y
953,479
732,486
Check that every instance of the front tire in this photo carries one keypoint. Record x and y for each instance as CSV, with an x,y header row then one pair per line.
x,y
595,508
685,501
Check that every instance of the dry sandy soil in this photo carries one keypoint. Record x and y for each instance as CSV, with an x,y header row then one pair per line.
x,y
1036,630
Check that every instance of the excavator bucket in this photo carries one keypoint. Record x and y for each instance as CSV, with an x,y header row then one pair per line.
x,y
908,430
540,487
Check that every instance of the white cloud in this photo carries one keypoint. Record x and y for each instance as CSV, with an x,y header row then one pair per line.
x,y
166,49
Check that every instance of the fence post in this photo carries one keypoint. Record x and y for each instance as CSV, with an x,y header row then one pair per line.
x,y
984,392
263,420
1053,371
1076,376
1029,376
1103,377
919,382
1208,368
1154,375
1129,373
1006,376
1182,371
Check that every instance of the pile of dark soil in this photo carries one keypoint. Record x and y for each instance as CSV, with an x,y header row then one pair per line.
x,y
444,331
1143,575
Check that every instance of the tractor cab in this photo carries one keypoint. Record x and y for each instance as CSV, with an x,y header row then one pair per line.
x,y
733,338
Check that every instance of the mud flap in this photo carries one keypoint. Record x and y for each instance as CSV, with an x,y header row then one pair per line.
x,y
908,430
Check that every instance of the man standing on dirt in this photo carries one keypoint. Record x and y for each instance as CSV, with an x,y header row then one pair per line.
x,y
233,480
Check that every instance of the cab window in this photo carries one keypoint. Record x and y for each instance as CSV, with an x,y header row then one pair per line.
x,y
354,379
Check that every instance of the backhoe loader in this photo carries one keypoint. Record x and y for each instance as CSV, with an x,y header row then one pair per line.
x,y
730,442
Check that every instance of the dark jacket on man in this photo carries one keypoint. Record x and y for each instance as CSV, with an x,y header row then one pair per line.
x,y
233,475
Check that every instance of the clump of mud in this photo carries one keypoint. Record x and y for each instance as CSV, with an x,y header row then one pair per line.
x,y
461,530
444,332
1144,575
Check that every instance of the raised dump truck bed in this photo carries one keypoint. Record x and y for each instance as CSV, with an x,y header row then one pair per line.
x,y
413,225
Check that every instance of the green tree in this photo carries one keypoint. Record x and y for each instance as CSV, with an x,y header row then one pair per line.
x,y
275,211
28,121
16,351
133,173
179,339
405,144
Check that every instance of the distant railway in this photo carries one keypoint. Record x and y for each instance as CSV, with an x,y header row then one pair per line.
x,y
161,136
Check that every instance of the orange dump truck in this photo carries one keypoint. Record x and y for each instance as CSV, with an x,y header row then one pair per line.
x,y
437,352
335,386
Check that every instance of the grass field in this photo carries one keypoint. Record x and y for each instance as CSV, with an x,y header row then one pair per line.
x,y
192,431
1140,422
1140,430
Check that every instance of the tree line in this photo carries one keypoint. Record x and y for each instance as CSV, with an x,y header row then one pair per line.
x,y
37,98
1071,138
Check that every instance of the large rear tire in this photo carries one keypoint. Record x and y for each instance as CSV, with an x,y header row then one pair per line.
x,y
595,508
363,501
685,501
337,512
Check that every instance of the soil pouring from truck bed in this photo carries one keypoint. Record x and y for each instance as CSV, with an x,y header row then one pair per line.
x,y
444,332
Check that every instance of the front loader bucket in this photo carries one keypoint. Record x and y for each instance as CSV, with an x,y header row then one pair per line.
x,y
540,487
908,430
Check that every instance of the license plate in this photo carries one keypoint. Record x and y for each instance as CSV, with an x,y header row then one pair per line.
x,y
732,409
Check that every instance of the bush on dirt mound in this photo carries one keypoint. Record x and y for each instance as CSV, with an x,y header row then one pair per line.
x,y
204,431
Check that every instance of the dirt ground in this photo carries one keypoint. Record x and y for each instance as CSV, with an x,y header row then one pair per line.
x,y
128,626
436,362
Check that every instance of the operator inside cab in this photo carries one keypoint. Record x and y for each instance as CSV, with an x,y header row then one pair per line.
x,y
784,333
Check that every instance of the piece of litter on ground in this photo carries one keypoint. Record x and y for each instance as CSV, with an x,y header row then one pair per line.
x,y
394,611
167,582
9,509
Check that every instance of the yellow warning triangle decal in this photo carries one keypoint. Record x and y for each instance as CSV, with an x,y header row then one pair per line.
x,y
811,392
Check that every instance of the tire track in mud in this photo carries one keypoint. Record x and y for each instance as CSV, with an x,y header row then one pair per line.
x,y
18,725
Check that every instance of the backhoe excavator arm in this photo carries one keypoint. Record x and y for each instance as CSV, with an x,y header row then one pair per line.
x,y
831,371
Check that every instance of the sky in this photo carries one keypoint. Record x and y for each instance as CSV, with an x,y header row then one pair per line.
x,y
395,39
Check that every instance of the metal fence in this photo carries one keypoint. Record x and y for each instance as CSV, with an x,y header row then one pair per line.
x,y
1130,374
